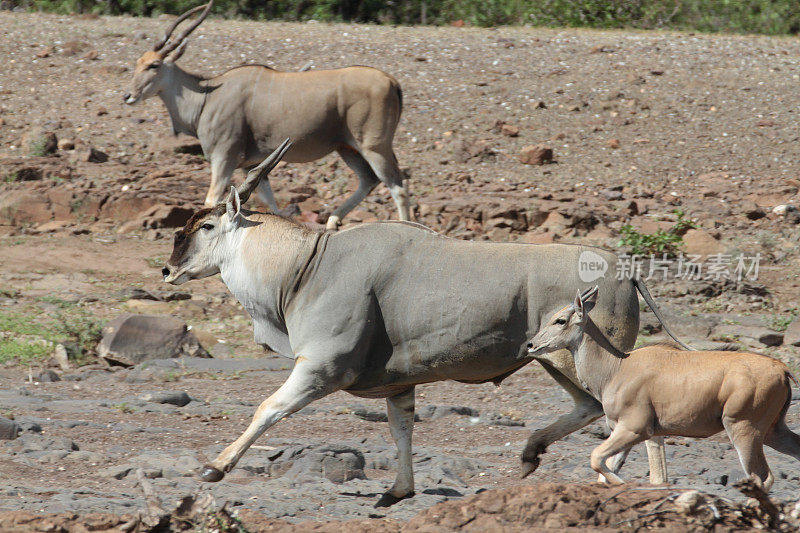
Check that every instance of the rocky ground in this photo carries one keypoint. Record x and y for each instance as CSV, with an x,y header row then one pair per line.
x,y
640,124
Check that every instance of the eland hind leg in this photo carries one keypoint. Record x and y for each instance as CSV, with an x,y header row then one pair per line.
x,y
400,409
784,440
780,438
306,383
367,180
384,163
749,443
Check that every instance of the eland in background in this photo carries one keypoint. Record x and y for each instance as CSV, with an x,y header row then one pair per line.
x,y
243,114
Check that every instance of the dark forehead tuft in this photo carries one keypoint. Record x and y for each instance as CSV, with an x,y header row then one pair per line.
x,y
194,223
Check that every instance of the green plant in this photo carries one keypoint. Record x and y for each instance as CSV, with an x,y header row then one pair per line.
x,y
38,147
76,204
662,242
155,261
123,408
773,17
11,177
22,351
781,322
78,330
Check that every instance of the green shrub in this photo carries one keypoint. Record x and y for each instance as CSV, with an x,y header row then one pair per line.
x,y
659,243
774,17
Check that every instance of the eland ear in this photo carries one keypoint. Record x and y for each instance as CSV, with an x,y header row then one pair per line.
x,y
578,303
177,53
588,300
233,206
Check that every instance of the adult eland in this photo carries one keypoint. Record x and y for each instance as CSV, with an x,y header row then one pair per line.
x,y
241,115
379,308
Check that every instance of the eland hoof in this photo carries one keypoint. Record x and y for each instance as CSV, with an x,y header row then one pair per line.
x,y
387,500
529,468
333,223
211,474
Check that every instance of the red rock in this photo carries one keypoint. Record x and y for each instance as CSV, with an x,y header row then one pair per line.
x,y
51,226
613,143
24,207
311,204
697,241
537,237
71,48
536,155
509,130
649,226
45,52
359,215
473,149
125,207
555,222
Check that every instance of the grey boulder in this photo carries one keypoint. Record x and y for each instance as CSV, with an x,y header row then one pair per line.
x,y
131,339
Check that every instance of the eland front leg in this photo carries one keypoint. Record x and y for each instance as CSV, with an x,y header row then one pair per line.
x,y
586,411
306,383
400,409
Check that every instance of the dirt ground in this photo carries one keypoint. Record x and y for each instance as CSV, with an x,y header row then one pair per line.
x,y
640,123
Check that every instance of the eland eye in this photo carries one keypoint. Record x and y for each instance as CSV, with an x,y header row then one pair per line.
x,y
207,226
561,321
154,65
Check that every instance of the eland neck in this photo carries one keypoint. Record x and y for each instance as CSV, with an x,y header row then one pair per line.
x,y
184,95
595,360
262,261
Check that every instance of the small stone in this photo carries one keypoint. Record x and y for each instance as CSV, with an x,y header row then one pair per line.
x,y
66,144
536,155
539,105
613,143
61,357
71,48
40,143
47,376
45,52
688,502
611,194
116,472
751,210
8,429
792,334
783,209
102,111
179,398
93,155
509,130
771,338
